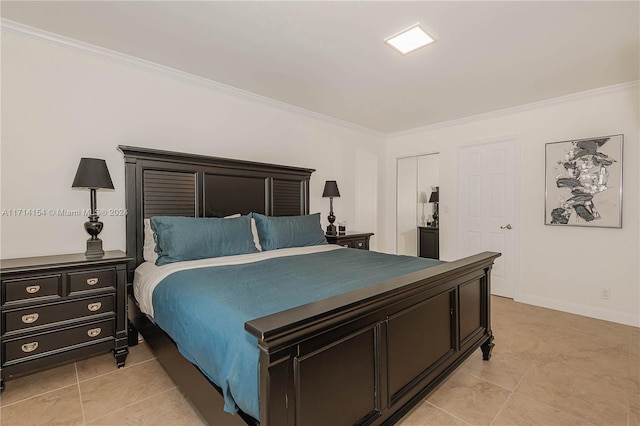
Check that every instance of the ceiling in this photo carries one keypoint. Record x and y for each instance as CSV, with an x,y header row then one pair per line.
x,y
330,58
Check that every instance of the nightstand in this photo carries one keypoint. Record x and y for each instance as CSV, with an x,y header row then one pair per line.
x,y
57,309
357,240
429,242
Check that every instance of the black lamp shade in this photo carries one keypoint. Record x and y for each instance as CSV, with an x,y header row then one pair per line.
x,y
330,189
435,197
92,174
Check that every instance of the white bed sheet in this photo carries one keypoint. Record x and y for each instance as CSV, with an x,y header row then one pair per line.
x,y
147,276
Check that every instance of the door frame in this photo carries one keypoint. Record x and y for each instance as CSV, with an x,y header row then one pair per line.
x,y
516,196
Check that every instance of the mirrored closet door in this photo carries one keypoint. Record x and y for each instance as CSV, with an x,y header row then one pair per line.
x,y
417,181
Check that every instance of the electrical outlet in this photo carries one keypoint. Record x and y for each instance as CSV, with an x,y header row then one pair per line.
x,y
605,293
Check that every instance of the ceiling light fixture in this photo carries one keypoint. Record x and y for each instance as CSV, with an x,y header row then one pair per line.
x,y
410,39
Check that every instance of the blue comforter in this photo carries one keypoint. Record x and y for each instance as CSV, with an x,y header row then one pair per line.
x,y
204,309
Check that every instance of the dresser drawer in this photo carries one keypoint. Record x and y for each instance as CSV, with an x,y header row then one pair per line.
x,y
38,316
91,280
31,288
56,341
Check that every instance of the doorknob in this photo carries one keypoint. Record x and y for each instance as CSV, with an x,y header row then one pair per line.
x,y
508,226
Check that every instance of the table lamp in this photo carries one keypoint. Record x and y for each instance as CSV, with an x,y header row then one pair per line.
x,y
331,190
92,174
435,198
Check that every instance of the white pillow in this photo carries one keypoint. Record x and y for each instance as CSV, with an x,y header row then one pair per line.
x,y
254,230
149,247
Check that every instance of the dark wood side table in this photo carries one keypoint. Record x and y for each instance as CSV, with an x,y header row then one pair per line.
x,y
429,242
357,240
57,309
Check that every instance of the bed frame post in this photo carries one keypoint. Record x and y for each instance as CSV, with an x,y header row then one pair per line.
x,y
487,347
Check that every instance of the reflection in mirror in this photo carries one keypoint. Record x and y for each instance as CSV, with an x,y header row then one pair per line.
x,y
428,173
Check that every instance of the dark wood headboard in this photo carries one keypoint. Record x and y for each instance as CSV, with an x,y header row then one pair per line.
x,y
165,183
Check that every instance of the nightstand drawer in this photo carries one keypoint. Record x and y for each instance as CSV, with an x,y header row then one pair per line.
x,y
360,243
38,316
31,288
356,243
91,280
356,240
45,343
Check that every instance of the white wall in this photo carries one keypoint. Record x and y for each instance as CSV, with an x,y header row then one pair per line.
x,y
560,267
61,103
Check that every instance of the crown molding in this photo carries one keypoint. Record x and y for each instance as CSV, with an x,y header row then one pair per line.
x,y
519,108
25,31
18,29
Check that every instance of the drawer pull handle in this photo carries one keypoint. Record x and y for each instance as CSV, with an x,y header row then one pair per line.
x,y
92,281
30,318
94,306
29,347
32,289
360,244
94,332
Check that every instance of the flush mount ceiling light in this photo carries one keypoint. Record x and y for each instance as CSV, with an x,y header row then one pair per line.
x,y
410,39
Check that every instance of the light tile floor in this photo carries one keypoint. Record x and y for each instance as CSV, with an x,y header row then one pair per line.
x,y
548,368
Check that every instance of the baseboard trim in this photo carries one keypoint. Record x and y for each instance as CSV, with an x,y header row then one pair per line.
x,y
585,310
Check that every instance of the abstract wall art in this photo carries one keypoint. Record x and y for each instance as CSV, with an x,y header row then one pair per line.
x,y
584,182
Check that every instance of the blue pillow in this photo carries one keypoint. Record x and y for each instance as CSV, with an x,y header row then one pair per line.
x,y
191,238
289,231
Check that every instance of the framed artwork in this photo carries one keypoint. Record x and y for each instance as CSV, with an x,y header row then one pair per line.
x,y
583,182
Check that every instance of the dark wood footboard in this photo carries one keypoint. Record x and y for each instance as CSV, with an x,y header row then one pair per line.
x,y
369,356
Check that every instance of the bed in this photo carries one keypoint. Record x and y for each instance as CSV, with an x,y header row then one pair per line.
x,y
363,356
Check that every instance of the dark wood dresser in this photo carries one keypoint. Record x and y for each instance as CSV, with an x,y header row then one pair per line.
x,y
429,242
357,240
57,309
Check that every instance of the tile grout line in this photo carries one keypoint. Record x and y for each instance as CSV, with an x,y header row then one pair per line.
x,y
132,404
71,384
545,404
36,395
496,384
115,371
443,410
510,396
84,419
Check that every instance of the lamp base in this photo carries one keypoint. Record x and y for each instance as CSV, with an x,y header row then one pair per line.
x,y
331,229
435,222
94,249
